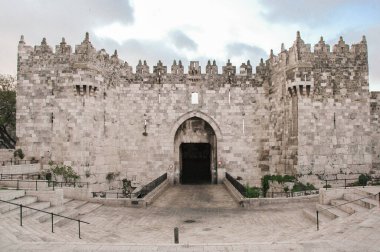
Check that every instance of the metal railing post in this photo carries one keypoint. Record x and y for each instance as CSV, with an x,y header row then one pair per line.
x,y
345,183
18,186
176,235
52,222
326,184
53,185
20,214
79,229
317,220
36,185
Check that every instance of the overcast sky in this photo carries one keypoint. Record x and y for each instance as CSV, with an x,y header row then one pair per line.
x,y
189,30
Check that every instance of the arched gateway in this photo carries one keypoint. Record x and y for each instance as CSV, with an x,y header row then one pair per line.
x,y
195,149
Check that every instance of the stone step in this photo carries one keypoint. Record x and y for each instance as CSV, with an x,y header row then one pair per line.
x,y
60,221
6,207
347,207
66,200
25,233
82,208
372,192
9,195
88,208
360,200
26,211
42,217
74,204
311,214
330,211
33,231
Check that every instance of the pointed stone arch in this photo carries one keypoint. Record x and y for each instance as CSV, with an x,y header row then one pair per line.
x,y
200,115
210,136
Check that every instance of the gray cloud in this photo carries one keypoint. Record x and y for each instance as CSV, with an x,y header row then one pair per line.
x,y
245,52
313,13
182,41
249,51
53,20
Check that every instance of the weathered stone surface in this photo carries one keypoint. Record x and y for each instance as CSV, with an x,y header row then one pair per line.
x,y
301,112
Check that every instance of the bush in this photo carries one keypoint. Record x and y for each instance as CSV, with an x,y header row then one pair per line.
x,y
298,187
252,192
265,184
363,179
280,179
65,171
18,154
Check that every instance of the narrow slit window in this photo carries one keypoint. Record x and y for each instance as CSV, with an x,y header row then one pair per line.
x,y
194,98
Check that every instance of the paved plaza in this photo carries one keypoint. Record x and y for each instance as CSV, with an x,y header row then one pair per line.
x,y
208,220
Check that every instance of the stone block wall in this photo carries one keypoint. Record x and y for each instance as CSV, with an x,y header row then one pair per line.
x,y
301,112
375,131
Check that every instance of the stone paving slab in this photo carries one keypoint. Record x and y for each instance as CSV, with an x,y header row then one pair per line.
x,y
269,228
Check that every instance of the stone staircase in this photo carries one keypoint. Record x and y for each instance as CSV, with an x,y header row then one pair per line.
x,y
354,200
37,225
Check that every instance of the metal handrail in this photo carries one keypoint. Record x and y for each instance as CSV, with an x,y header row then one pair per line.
x,y
345,182
75,183
51,213
100,194
324,209
238,186
153,184
54,183
11,175
291,194
18,162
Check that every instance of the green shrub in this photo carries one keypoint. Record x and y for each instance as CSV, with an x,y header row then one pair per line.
x,y
252,192
363,179
289,178
65,171
18,154
280,179
298,187
265,184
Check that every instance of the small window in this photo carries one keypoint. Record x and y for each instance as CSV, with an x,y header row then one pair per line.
x,y
194,98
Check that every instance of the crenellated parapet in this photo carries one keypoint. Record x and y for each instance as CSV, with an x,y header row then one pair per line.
x,y
321,72
306,72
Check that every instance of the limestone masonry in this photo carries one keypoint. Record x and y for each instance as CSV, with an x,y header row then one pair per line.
x,y
301,112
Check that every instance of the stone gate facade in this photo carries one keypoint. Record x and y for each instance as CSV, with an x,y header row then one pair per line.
x,y
300,112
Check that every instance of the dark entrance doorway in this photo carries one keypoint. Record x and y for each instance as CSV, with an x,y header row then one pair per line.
x,y
196,160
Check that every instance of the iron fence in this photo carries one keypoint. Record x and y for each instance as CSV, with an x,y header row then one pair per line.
x,y
51,214
112,195
18,162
